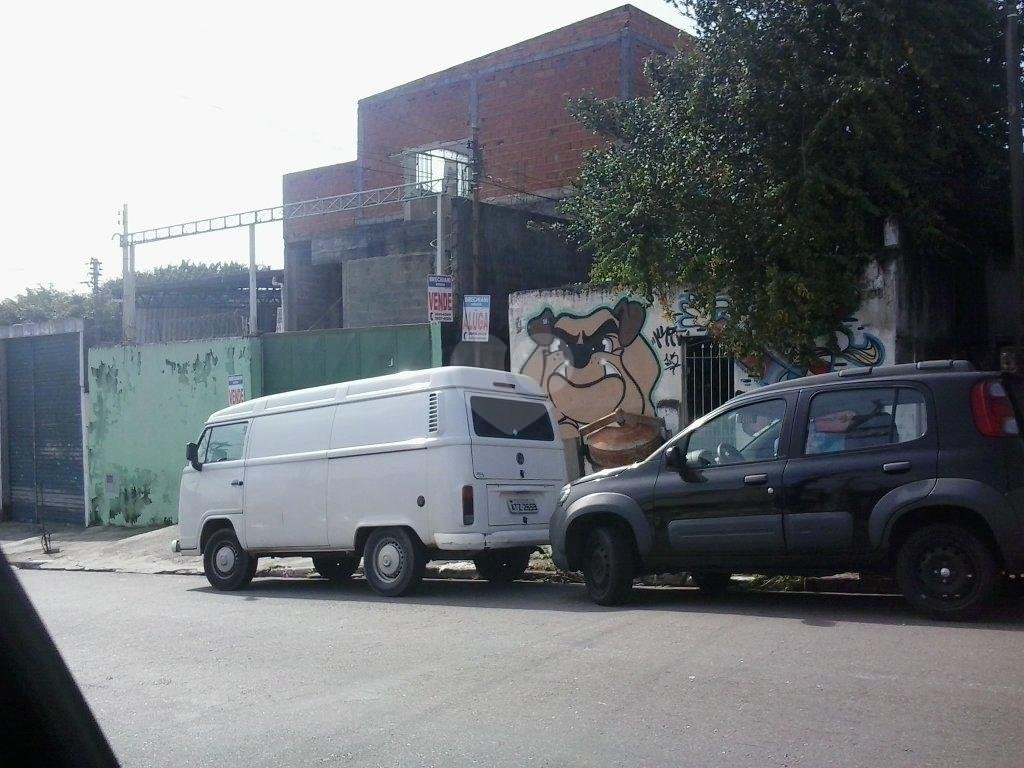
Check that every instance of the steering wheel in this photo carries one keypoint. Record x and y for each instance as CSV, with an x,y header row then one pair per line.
x,y
728,454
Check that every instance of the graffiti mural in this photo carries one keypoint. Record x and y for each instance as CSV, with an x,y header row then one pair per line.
x,y
594,350
590,364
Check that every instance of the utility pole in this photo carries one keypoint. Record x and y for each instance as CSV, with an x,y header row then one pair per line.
x,y
95,269
478,174
1016,163
127,281
253,314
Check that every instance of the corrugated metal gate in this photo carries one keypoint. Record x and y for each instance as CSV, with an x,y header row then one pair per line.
x,y
710,377
44,429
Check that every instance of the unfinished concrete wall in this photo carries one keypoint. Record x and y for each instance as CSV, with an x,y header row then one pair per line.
x,y
146,402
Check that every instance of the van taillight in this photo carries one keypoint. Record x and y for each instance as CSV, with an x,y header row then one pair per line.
x,y
993,410
467,505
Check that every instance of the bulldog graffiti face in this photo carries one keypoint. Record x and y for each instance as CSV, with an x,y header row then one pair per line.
x,y
592,364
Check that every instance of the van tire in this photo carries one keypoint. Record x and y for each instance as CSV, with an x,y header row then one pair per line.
x,y
608,566
393,561
336,567
503,566
228,567
969,583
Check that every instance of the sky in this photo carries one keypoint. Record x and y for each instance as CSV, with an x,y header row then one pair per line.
x,y
195,109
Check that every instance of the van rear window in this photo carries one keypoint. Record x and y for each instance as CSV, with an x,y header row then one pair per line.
x,y
510,419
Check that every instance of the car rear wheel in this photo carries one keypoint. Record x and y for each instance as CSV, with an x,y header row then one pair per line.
x,y
712,583
336,567
501,566
227,565
608,566
947,572
393,561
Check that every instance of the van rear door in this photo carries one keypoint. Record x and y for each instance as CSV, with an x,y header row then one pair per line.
x,y
516,451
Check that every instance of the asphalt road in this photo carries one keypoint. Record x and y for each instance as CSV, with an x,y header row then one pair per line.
x,y
304,672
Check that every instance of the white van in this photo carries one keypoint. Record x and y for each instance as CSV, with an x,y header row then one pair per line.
x,y
442,464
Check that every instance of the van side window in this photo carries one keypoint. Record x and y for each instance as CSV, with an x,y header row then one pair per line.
x,y
510,419
852,419
225,443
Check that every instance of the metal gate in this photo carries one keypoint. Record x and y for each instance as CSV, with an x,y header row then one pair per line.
x,y
44,429
710,377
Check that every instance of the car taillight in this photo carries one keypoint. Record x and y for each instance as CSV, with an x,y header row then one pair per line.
x,y
467,505
993,410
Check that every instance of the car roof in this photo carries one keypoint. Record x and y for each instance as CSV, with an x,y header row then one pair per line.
x,y
907,370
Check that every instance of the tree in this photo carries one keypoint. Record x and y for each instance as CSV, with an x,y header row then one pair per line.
x,y
103,308
769,155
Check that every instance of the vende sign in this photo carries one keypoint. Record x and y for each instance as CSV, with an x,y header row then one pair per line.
x,y
440,304
476,318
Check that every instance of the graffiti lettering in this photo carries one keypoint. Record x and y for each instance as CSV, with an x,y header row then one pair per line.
x,y
665,336
671,362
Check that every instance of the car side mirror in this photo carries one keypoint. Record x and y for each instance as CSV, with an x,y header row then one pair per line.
x,y
192,456
674,459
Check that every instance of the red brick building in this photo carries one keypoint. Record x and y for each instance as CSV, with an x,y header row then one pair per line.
x,y
530,150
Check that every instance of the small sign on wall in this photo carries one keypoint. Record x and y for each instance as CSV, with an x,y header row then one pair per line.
x,y
236,389
440,304
476,318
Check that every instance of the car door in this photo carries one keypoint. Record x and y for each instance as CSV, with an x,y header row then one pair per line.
x,y
854,444
721,496
216,489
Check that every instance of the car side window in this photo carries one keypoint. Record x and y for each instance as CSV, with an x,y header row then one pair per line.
x,y
749,433
225,443
853,419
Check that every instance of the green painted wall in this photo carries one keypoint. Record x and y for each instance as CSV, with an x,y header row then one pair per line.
x,y
312,358
145,403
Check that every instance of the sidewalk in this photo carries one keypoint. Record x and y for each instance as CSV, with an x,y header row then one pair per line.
x,y
148,550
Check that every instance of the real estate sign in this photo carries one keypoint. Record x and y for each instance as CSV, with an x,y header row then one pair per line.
x,y
476,318
440,304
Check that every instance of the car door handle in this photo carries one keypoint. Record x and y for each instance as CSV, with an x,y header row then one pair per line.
x,y
755,479
237,482
895,467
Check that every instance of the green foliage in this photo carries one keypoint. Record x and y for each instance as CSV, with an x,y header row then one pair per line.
x,y
768,157
103,309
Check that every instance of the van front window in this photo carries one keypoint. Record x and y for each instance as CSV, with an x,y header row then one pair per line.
x,y
510,419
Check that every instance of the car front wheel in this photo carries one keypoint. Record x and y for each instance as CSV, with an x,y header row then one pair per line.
x,y
227,565
947,572
608,566
393,561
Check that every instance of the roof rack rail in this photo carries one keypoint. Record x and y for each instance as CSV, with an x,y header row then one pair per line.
x,y
865,371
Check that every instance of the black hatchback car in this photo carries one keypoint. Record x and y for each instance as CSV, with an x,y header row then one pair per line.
x,y
916,470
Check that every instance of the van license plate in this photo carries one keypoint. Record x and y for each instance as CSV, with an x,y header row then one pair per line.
x,y
523,505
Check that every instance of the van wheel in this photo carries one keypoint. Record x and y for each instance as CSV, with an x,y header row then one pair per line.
x,y
608,566
393,561
226,564
336,567
712,583
947,572
501,566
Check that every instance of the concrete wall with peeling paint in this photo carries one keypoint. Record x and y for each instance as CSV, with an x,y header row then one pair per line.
x,y
146,402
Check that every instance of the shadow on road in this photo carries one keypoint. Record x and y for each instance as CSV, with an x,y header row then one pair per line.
x,y
811,608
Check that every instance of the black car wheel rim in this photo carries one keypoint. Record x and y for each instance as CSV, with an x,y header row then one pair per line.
x,y
946,572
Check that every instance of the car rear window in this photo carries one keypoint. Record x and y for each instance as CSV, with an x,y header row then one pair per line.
x,y
510,419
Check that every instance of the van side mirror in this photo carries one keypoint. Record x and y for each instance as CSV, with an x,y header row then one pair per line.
x,y
192,456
